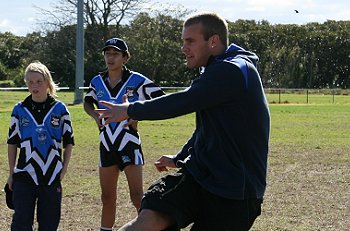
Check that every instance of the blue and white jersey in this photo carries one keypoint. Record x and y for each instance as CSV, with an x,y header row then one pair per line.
x,y
40,144
114,136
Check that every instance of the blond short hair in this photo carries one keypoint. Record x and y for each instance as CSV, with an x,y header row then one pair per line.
x,y
38,67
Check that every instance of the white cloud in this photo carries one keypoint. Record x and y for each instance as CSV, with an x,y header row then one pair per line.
x,y
4,23
5,26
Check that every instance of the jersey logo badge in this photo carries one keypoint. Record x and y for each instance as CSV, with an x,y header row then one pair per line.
x,y
55,121
41,134
100,94
130,92
126,159
24,122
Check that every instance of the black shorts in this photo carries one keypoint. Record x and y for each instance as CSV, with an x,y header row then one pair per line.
x,y
183,199
122,159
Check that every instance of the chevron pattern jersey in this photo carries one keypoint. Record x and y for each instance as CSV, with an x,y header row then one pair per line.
x,y
40,145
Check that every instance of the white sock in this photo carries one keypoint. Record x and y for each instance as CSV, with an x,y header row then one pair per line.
x,y
105,229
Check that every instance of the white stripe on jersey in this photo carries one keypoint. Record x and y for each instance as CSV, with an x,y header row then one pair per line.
x,y
30,170
58,168
150,90
44,166
113,136
128,138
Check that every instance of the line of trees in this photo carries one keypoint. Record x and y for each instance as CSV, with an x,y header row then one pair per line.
x,y
313,55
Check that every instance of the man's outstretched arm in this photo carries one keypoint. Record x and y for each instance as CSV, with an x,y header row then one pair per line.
x,y
113,112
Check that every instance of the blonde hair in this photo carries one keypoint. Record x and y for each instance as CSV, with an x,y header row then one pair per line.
x,y
38,67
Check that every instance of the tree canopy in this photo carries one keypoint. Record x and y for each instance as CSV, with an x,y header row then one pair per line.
x,y
313,55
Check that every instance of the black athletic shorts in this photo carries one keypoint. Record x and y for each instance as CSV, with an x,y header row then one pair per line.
x,y
122,159
182,198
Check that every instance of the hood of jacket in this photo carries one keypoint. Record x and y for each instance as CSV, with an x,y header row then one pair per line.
x,y
238,56
235,51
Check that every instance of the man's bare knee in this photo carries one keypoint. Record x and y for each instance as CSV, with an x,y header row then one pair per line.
x,y
148,220
155,216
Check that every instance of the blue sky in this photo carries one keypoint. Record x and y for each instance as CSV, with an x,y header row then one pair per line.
x,y
21,17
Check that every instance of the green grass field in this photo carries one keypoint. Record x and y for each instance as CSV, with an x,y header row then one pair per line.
x,y
308,175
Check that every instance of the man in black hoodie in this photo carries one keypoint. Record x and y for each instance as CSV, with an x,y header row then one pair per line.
x,y
222,177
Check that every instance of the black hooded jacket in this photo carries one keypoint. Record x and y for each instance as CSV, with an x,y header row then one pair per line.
x,y
227,153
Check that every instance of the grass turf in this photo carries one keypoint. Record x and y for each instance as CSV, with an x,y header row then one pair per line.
x,y
308,175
